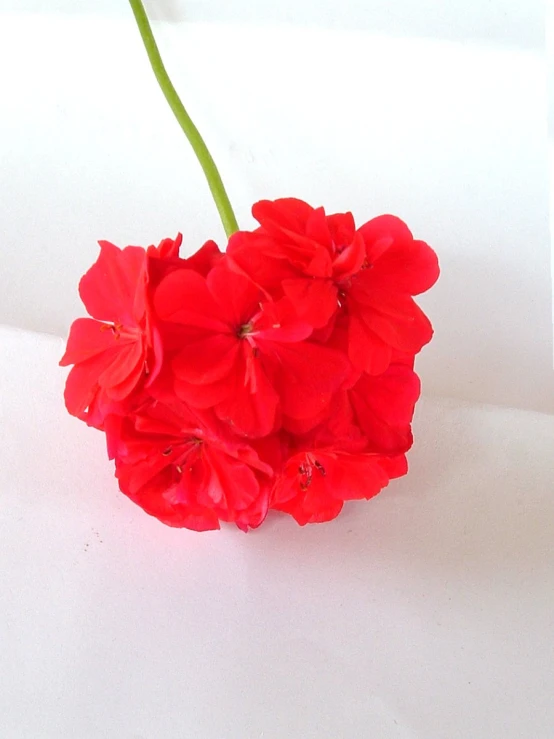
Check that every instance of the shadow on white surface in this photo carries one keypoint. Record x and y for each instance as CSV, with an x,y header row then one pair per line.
x,y
425,613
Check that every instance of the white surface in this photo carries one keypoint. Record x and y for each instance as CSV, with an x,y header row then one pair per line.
x,y
452,137
519,22
426,613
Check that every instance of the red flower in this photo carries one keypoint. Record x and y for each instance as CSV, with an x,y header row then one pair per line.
x,y
326,266
315,483
331,464
187,469
115,349
119,347
383,317
243,355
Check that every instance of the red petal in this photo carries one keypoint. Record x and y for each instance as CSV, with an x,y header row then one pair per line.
x,y
289,235
203,396
394,466
366,350
342,228
127,360
254,515
238,297
183,297
338,428
317,228
110,287
302,426
205,258
232,484
315,300
287,213
80,387
398,321
350,260
384,407
157,355
412,268
130,366
381,233
87,338
393,317
358,476
279,321
166,249
193,517
318,263
250,408
207,360
305,374
252,254
399,262
314,503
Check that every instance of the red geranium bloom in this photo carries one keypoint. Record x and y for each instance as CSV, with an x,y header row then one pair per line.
x,y
243,355
315,482
337,461
383,317
326,266
120,347
113,350
187,469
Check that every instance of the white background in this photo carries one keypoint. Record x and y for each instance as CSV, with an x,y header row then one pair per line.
x,y
424,614
510,22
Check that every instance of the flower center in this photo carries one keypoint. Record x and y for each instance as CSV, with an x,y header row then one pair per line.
x,y
341,296
115,328
244,330
305,470
120,331
184,450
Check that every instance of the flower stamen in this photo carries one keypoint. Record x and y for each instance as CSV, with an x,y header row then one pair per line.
x,y
244,330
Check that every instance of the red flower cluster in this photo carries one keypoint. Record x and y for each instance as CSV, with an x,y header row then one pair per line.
x,y
278,375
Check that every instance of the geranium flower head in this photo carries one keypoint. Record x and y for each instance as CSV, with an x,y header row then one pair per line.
x,y
315,483
278,375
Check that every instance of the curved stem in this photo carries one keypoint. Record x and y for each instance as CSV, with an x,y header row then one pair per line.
x,y
191,132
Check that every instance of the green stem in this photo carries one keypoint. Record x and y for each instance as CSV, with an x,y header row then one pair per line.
x,y
191,132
